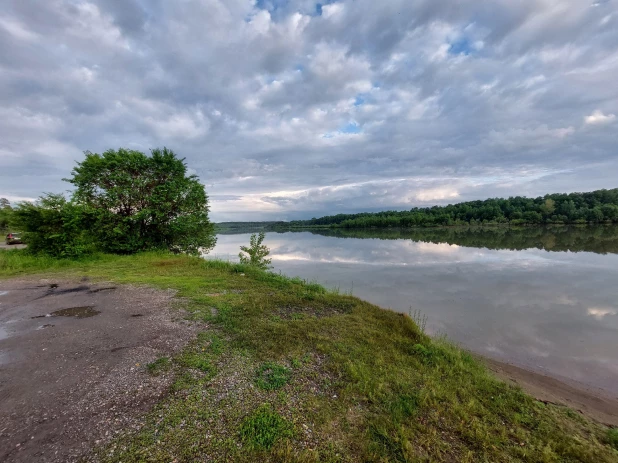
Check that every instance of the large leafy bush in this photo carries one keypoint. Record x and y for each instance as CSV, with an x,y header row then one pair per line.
x,y
124,202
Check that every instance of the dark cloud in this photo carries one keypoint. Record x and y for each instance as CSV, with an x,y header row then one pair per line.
x,y
285,110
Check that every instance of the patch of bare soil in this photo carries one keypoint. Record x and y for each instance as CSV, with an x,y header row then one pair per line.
x,y
3,245
72,364
593,403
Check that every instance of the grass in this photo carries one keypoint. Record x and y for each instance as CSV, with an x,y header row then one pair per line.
x,y
612,437
159,366
365,384
263,428
271,376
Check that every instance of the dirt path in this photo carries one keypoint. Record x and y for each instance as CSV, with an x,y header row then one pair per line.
x,y
594,404
72,363
3,245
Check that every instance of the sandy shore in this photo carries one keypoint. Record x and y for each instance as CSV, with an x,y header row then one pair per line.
x,y
593,403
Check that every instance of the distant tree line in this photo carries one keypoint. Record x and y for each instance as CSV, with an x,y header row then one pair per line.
x,y
599,206
223,228
560,238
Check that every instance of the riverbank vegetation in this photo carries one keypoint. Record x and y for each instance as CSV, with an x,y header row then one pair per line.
x,y
285,370
599,206
6,213
124,202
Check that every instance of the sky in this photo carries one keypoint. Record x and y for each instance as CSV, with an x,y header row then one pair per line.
x,y
289,109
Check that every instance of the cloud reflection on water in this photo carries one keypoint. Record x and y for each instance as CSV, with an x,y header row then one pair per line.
x,y
553,311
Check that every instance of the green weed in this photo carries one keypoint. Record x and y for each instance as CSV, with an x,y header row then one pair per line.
x,y
263,428
271,376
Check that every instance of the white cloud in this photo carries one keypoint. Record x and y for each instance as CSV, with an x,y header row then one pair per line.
x,y
179,125
17,29
601,312
598,117
435,194
91,24
334,11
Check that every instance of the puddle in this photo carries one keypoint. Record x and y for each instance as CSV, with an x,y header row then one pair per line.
x,y
2,293
3,333
77,312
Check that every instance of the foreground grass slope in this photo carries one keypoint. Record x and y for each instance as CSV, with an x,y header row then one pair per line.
x,y
287,371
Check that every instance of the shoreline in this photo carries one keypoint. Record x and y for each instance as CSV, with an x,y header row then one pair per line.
x,y
594,403
315,370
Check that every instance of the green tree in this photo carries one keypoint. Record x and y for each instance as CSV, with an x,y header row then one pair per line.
x,y
6,212
256,252
595,215
548,207
143,202
54,226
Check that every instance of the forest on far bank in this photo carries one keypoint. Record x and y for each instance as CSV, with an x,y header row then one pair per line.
x,y
599,206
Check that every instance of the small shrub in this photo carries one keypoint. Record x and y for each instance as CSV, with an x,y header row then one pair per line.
x,y
264,427
612,437
256,252
54,226
272,376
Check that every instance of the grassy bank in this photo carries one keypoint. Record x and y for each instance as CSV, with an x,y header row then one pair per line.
x,y
288,371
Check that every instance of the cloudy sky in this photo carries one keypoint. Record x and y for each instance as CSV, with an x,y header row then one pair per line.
x,y
291,108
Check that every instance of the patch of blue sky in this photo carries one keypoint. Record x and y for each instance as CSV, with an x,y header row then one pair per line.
x,y
271,5
461,47
351,127
360,100
319,6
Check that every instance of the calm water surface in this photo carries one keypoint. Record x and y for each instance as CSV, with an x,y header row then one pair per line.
x,y
541,298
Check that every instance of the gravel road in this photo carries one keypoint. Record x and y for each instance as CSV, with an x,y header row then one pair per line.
x,y
72,363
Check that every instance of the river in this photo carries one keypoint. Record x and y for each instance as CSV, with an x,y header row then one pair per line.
x,y
542,298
